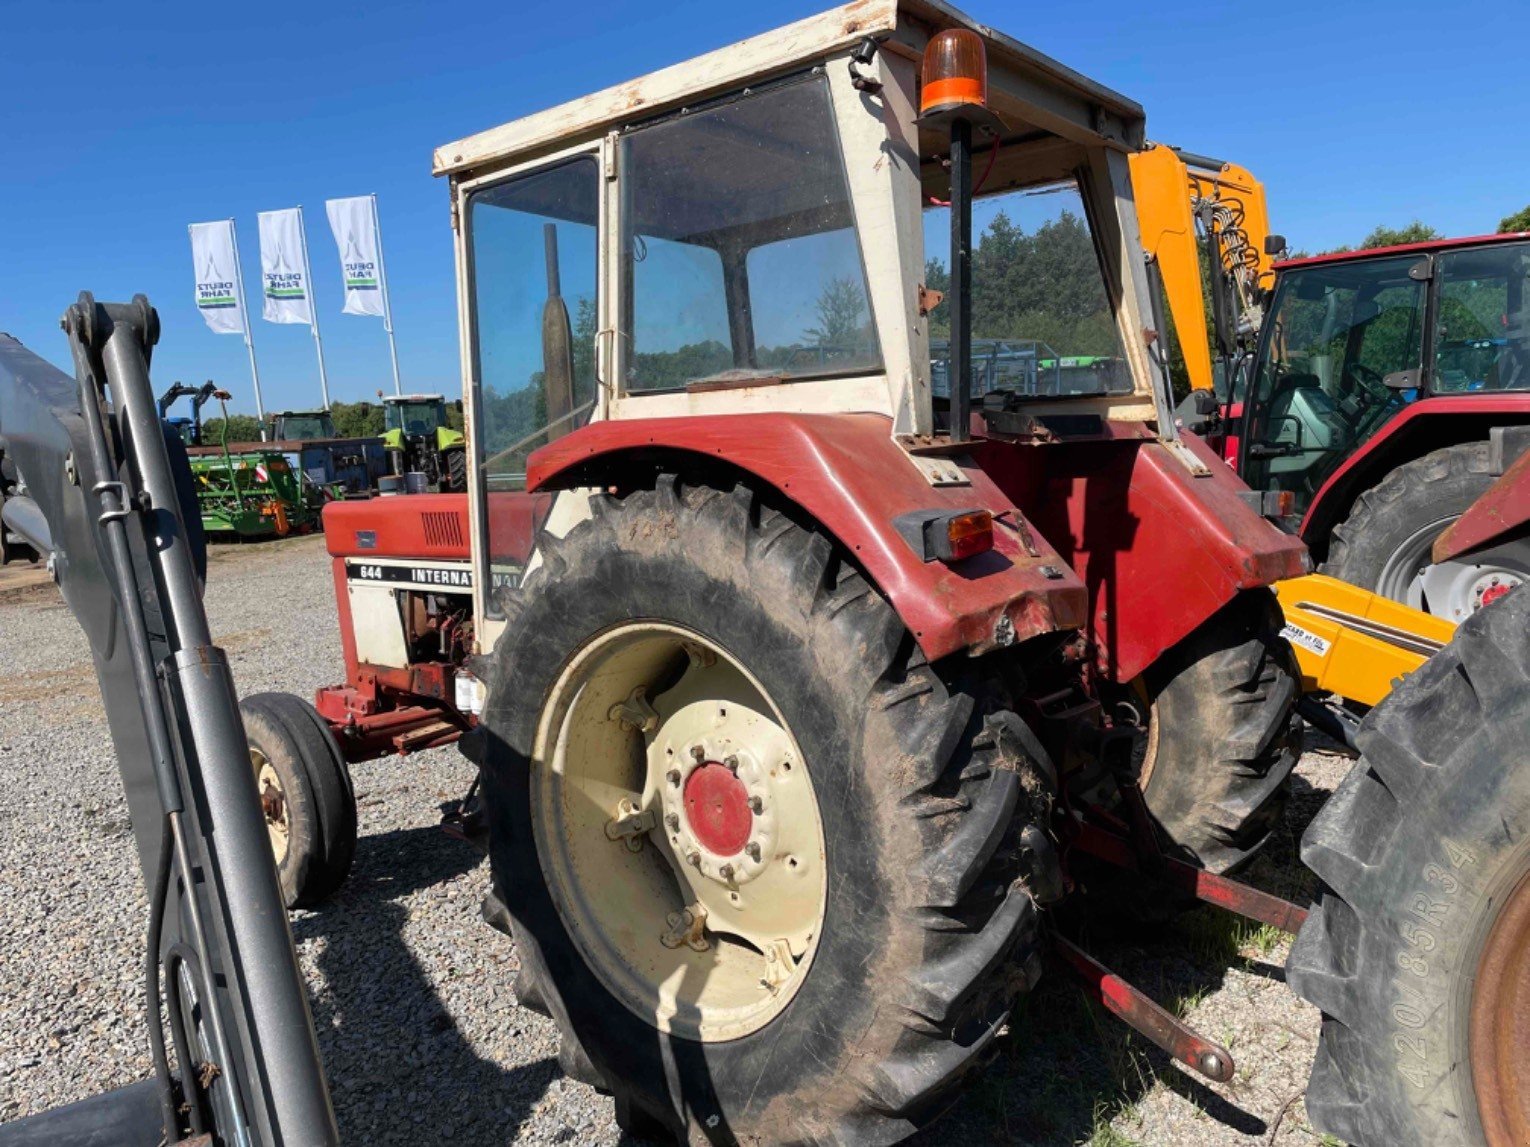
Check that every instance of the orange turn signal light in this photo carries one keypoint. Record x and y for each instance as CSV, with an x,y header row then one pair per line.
x,y
954,72
946,536
969,533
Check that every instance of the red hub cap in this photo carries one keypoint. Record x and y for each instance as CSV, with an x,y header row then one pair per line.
x,y
717,807
1494,592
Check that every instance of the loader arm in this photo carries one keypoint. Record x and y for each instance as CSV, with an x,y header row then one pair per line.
x,y
106,494
1179,197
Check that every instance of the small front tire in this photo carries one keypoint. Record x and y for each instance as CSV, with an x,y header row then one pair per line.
x,y
306,795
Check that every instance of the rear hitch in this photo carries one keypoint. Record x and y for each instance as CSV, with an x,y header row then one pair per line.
x,y
1143,1014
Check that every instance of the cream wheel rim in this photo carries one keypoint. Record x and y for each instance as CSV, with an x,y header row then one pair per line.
x,y
273,804
678,831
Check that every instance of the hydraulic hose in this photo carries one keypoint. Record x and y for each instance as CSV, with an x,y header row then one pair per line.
x,y
157,900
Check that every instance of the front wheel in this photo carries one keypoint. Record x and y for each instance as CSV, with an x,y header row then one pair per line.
x,y
760,860
306,795
1418,949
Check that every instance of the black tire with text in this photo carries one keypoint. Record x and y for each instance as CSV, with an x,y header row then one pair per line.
x,y
1421,850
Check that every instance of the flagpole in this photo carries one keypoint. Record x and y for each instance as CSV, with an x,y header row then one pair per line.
x,y
382,273
313,307
244,312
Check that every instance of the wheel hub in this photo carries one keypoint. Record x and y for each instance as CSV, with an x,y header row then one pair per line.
x,y
1500,1025
678,827
273,804
717,812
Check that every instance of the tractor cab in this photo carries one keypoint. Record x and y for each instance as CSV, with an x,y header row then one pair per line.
x,y
303,426
414,415
769,232
1357,339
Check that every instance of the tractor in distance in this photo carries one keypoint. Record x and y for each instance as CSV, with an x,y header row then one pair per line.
x,y
189,429
419,439
807,690
350,466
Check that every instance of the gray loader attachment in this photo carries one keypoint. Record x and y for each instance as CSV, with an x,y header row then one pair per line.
x,y
103,491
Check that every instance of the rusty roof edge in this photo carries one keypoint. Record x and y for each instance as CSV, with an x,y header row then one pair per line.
x,y
672,86
717,71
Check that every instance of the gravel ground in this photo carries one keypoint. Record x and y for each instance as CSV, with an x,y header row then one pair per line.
x,y
420,1032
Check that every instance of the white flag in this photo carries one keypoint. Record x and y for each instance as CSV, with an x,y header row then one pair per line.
x,y
220,296
355,226
284,268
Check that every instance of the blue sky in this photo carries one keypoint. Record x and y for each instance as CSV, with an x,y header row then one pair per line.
x,y
121,124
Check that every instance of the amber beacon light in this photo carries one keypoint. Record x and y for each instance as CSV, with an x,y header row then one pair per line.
x,y
955,72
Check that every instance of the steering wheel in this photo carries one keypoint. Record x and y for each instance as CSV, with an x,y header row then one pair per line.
x,y
1369,379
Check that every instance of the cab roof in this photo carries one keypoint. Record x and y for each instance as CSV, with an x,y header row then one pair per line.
x,y
1027,88
1403,249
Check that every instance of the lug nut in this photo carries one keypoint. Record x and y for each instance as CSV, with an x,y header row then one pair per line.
x,y
756,805
693,859
674,776
672,822
731,764
753,850
726,872
698,754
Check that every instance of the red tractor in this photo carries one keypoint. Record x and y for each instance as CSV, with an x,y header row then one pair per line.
x,y
1390,388
803,677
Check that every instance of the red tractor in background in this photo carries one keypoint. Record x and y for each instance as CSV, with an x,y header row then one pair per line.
x,y
1389,388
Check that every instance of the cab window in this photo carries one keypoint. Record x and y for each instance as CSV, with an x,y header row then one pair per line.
x,y
741,263
1340,356
532,245
1482,340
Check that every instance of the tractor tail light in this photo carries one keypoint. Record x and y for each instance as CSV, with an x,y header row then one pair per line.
x,y
946,536
954,73
968,534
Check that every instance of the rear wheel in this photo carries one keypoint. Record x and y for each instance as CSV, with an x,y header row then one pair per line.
x,y
761,861
1384,545
454,480
1221,737
1418,949
305,793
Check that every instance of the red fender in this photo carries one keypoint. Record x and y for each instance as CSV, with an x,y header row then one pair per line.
x,y
1503,512
1420,427
846,472
1161,549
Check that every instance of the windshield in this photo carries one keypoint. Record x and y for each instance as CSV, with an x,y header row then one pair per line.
x,y
1341,355
741,257
415,417
1483,340
1042,324
305,426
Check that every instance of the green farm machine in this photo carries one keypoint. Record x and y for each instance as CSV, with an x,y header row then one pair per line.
x,y
247,492
419,439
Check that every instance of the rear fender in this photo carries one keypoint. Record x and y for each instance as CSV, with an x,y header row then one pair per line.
x,y
1424,426
846,473
1160,549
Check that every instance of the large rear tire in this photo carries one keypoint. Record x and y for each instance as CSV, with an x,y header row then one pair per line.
x,y
911,930
306,795
1384,545
1418,949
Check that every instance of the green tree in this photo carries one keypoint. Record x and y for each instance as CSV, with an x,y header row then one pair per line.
x,y
241,428
357,419
1384,236
1519,221
840,306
